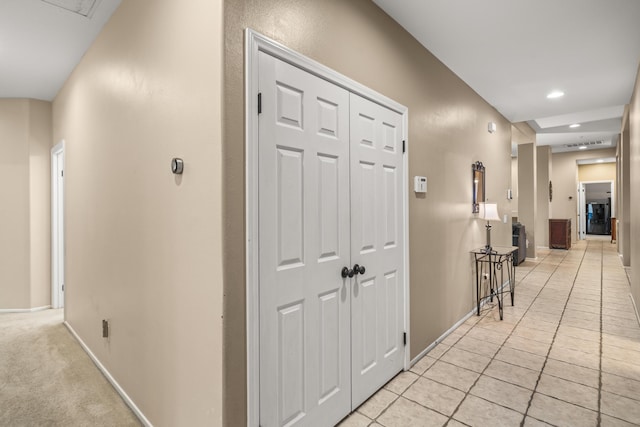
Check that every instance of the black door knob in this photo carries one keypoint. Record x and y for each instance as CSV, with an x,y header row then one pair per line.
x,y
358,269
347,272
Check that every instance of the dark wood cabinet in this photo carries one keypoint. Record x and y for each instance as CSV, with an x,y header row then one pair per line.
x,y
560,233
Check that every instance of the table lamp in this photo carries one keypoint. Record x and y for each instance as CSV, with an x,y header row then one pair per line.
x,y
489,212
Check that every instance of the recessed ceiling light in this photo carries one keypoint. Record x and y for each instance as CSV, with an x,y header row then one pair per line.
x,y
575,125
555,94
582,147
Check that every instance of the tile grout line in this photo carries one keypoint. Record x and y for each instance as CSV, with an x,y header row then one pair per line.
x,y
600,358
476,324
492,358
439,358
398,396
544,364
484,315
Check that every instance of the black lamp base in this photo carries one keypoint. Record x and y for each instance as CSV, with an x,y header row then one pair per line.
x,y
487,247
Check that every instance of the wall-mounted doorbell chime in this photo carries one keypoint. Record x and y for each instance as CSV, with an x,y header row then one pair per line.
x,y
177,166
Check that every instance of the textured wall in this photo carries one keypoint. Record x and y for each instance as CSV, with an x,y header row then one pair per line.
x,y
528,194
634,132
543,206
40,202
626,166
25,221
143,246
15,292
447,133
597,172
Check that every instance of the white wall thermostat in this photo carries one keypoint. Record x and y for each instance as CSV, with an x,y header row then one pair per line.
x,y
420,184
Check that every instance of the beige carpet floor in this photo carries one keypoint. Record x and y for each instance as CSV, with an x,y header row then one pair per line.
x,y
46,379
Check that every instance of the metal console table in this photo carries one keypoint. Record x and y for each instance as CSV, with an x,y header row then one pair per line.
x,y
492,266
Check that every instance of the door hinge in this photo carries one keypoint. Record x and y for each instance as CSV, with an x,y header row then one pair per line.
x,y
62,173
259,103
404,338
63,287
404,148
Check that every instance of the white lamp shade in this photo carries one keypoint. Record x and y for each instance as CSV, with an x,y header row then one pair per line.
x,y
489,212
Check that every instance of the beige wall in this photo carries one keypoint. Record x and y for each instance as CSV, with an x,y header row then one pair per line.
x,y
25,143
634,133
543,206
40,202
143,246
624,213
597,172
565,183
522,134
14,209
514,186
528,194
447,133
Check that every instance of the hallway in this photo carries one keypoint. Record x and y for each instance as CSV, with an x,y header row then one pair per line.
x,y
567,354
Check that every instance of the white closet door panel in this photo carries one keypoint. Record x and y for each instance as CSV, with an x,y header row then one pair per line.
x,y
305,350
376,236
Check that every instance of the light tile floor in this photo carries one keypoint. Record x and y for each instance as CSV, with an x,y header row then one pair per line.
x,y
567,354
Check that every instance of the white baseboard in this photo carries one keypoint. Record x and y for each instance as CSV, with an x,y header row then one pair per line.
x,y
473,312
24,310
443,336
635,308
112,380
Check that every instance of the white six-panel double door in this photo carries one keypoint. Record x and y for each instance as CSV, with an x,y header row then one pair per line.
x,y
330,197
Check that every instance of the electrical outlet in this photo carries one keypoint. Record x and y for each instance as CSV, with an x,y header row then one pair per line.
x,y
105,328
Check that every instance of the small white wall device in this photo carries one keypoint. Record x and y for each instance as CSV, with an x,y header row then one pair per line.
x,y
491,127
177,166
420,184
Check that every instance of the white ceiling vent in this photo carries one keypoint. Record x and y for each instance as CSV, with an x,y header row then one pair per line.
x,y
587,144
81,7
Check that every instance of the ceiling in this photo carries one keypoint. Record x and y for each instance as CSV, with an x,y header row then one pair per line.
x,y
41,42
514,53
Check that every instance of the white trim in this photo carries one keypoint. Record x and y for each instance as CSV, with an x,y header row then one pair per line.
x,y
635,308
24,310
405,207
581,206
254,43
438,340
56,294
444,335
251,232
110,378
581,213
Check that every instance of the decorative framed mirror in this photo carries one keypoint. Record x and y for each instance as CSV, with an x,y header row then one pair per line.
x,y
477,176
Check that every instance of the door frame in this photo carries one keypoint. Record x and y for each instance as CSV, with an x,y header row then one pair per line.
x,y
582,201
57,226
255,43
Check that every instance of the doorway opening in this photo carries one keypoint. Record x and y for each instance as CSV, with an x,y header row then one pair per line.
x,y
57,225
596,208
